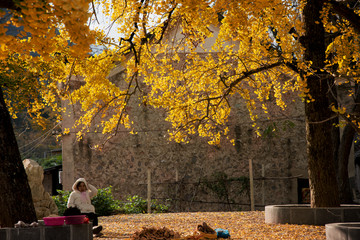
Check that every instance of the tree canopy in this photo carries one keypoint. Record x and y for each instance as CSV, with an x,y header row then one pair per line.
x,y
168,45
259,48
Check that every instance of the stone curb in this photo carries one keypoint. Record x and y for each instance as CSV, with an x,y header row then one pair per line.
x,y
304,214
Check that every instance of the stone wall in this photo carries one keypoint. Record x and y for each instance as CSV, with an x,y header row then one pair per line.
x,y
182,171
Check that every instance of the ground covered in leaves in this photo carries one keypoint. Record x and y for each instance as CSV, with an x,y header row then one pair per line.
x,y
241,225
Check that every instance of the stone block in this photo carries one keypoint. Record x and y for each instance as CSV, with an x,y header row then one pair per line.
x,y
351,215
24,233
324,216
57,232
81,231
283,215
3,233
300,215
65,232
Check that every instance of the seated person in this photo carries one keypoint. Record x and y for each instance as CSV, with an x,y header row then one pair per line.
x,y
80,198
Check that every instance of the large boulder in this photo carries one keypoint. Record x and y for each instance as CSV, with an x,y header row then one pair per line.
x,y
43,203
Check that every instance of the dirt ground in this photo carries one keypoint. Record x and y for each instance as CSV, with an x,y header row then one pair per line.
x,y
241,225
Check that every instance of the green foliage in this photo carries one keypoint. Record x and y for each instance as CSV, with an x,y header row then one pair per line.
x,y
158,207
61,201
136,204
50,162
104,202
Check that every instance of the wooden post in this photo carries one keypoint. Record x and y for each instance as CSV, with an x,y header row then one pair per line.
x,y
176,175
149,190
252,205
176,188
263,183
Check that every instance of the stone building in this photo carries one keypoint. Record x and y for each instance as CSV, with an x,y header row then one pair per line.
x,y
195,176
185,172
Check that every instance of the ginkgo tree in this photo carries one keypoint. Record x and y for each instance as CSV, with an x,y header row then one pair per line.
x,y
313,43
162,47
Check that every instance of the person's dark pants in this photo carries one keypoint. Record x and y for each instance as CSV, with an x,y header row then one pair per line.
x,y
93,218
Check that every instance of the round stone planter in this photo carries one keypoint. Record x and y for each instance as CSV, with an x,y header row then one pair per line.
x,y
343,231
304,214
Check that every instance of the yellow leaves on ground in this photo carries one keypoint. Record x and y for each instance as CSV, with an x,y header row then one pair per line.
x,y
241,225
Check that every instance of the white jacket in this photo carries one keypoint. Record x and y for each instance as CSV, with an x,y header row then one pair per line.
x,y
76,200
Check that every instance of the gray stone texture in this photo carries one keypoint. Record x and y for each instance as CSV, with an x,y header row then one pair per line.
x,y
343,231
81,231
57,232
65,232
24,233
324,216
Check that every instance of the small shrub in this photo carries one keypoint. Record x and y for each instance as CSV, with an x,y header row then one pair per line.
x,y
158,207
136,204
104,202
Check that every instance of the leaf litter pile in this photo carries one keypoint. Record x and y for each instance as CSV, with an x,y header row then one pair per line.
x,y
241,225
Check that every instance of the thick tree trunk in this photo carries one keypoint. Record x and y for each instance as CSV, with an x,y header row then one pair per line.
x,y
344,153
343,174
319,126
15,195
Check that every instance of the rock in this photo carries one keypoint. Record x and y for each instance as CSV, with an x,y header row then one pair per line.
x,y
43,203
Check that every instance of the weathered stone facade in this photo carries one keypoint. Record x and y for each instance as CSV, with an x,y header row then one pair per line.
x,y
181,172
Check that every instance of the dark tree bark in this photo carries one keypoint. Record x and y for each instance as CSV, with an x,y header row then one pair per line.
x,y
343,174
15,195
9,4
347,139
319,123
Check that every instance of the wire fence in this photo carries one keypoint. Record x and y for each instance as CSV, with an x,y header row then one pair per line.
x,y
224,193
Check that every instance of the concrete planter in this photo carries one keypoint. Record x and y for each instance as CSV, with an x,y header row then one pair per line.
x,y
65,232
343,231
304,214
